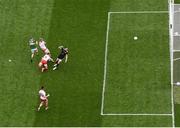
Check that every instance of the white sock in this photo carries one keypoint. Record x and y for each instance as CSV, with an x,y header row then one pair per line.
x,y
54,68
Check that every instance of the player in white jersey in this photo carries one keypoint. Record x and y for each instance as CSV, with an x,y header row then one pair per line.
x,y
42,45
44,61
43,98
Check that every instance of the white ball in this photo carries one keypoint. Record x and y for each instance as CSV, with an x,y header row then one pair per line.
x,y
10,60
135,37
178,83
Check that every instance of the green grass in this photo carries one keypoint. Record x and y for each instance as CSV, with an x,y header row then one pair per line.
x,y
177,1
76,88
177,115
138,79
140,121
20,80
139,5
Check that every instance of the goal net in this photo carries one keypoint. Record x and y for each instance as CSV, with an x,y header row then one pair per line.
x,y
174,21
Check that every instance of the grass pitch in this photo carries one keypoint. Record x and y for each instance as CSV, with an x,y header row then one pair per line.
x,y
136,75
76,88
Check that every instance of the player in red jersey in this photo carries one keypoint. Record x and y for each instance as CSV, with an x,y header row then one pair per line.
x,y
44,61
43,98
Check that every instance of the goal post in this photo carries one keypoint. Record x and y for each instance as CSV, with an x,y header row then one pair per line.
x,y
174,38
171,4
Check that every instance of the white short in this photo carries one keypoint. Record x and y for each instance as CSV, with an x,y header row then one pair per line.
x,y
46,51
43,98
58,60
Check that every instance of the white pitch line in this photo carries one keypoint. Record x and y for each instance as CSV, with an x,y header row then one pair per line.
x,y
176,59
171,30
138,114
105,64
145,12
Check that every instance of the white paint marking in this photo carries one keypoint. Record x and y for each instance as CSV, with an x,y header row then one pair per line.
x,y
137,114
146,12
105,64
171,41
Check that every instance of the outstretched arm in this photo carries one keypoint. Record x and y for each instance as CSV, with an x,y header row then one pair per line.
x,y
51,59
47,95
66,58
61,47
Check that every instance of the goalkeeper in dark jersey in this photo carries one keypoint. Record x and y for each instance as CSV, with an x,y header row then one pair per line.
x,y
63,54
32,44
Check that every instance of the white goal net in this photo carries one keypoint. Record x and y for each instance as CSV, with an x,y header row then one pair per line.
x,y
174,27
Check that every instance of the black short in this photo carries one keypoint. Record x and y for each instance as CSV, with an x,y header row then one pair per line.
x,y
61,57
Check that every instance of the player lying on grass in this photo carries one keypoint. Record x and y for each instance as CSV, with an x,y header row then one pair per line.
x,y
63,54
43,99
44,61
42,45
32,44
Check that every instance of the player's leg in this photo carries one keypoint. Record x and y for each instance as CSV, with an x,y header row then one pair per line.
x,y
40,64
32,54
58,61
45,67
46,51
36,51
46,104
40,105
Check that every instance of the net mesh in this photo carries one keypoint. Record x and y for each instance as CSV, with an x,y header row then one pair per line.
x,y
176,27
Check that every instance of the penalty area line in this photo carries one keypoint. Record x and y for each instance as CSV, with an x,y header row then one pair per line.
x,y
105,64
138,114
145,12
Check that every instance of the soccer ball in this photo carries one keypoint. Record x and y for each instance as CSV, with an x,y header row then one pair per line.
x,y
178,83
135,38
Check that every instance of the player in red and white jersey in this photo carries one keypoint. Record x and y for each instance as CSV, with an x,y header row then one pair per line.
x,y
43,98
44,61
42,45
